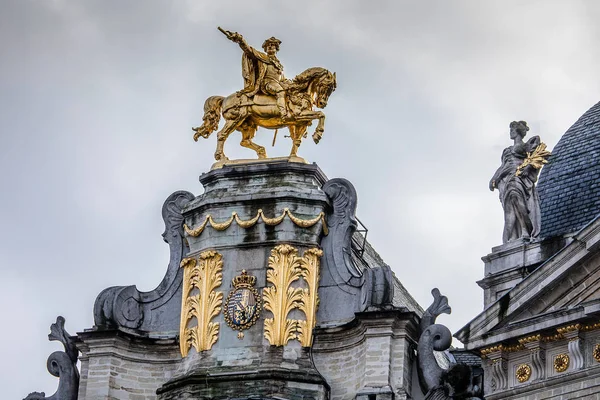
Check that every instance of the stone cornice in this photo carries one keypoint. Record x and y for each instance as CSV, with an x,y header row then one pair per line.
x,y
506,276
560,332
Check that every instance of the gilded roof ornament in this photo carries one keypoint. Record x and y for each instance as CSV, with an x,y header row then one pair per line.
x,y
268,100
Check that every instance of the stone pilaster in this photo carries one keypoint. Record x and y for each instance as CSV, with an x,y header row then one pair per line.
x,y
573,334
537,353
499,366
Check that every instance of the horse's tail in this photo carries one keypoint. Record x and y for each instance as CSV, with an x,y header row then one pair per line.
x,y
211,118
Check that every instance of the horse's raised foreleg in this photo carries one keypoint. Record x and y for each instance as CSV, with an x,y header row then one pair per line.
x,y
248,132
320,128
307,116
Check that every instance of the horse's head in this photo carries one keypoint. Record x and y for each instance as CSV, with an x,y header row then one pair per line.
x,y
318,83
324,86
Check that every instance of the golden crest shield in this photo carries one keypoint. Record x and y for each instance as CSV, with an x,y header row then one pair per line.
x,y
243,304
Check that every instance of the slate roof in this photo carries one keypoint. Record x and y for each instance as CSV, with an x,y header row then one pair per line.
x,y
463,356
371,259
569,185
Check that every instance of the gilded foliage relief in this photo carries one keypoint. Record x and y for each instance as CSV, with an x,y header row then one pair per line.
x,y
200,301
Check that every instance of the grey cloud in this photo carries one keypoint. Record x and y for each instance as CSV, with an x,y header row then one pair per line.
x,y
97,99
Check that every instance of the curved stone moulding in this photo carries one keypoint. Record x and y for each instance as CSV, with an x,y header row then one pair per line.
x,y
364,287
260,216
125,307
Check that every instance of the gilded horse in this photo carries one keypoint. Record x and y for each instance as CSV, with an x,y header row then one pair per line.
x,y
309,89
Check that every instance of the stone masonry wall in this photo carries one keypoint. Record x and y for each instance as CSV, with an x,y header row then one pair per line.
x,y
370,356
114,367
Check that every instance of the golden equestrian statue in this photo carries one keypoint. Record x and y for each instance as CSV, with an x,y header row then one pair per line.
x,y
267,100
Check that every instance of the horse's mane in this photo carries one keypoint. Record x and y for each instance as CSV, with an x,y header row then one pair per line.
x,y
302,80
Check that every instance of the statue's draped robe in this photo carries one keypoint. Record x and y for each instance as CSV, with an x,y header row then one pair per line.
x,y
254,68
518,193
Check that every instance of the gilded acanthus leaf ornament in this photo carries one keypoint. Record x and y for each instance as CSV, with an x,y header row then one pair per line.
x,y
204,275
281,298
268,100
309,300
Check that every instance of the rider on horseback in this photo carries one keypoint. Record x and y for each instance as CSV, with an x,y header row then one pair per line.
x,y
262,72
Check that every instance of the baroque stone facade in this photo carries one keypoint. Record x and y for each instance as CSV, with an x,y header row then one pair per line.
x,y
270,292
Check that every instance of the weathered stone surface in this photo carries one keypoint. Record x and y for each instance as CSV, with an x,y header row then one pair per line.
x,y
117,365
369,357
254,383
271,187
365,320
456,381
551,311
511,262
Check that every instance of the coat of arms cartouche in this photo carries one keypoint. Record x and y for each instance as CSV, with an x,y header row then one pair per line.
x,y
243,304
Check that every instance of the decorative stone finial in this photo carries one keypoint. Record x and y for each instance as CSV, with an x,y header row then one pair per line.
x,y
457,381
62,364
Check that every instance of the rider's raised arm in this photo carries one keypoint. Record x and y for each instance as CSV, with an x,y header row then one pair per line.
x,y
239,39
249,50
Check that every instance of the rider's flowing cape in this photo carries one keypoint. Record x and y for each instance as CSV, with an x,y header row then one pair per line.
x,y
254,68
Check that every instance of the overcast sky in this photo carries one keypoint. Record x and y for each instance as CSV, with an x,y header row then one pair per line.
x,y
97,99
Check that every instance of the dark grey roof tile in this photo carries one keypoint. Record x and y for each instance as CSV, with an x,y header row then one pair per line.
x,y
568,185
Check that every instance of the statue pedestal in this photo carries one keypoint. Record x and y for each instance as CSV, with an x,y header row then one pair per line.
x,y
510,263
234,229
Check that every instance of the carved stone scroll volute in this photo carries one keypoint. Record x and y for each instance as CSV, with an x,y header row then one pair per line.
x,y
62,364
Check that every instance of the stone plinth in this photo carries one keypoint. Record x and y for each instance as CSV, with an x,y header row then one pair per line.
x,y
509,263
244,213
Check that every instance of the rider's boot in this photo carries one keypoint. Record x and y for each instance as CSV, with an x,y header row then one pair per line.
x,y
281,107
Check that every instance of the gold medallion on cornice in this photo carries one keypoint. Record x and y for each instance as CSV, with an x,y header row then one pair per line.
x,y
561,362
523,373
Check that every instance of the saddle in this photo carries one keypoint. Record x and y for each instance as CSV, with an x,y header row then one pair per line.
x,y
263,99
